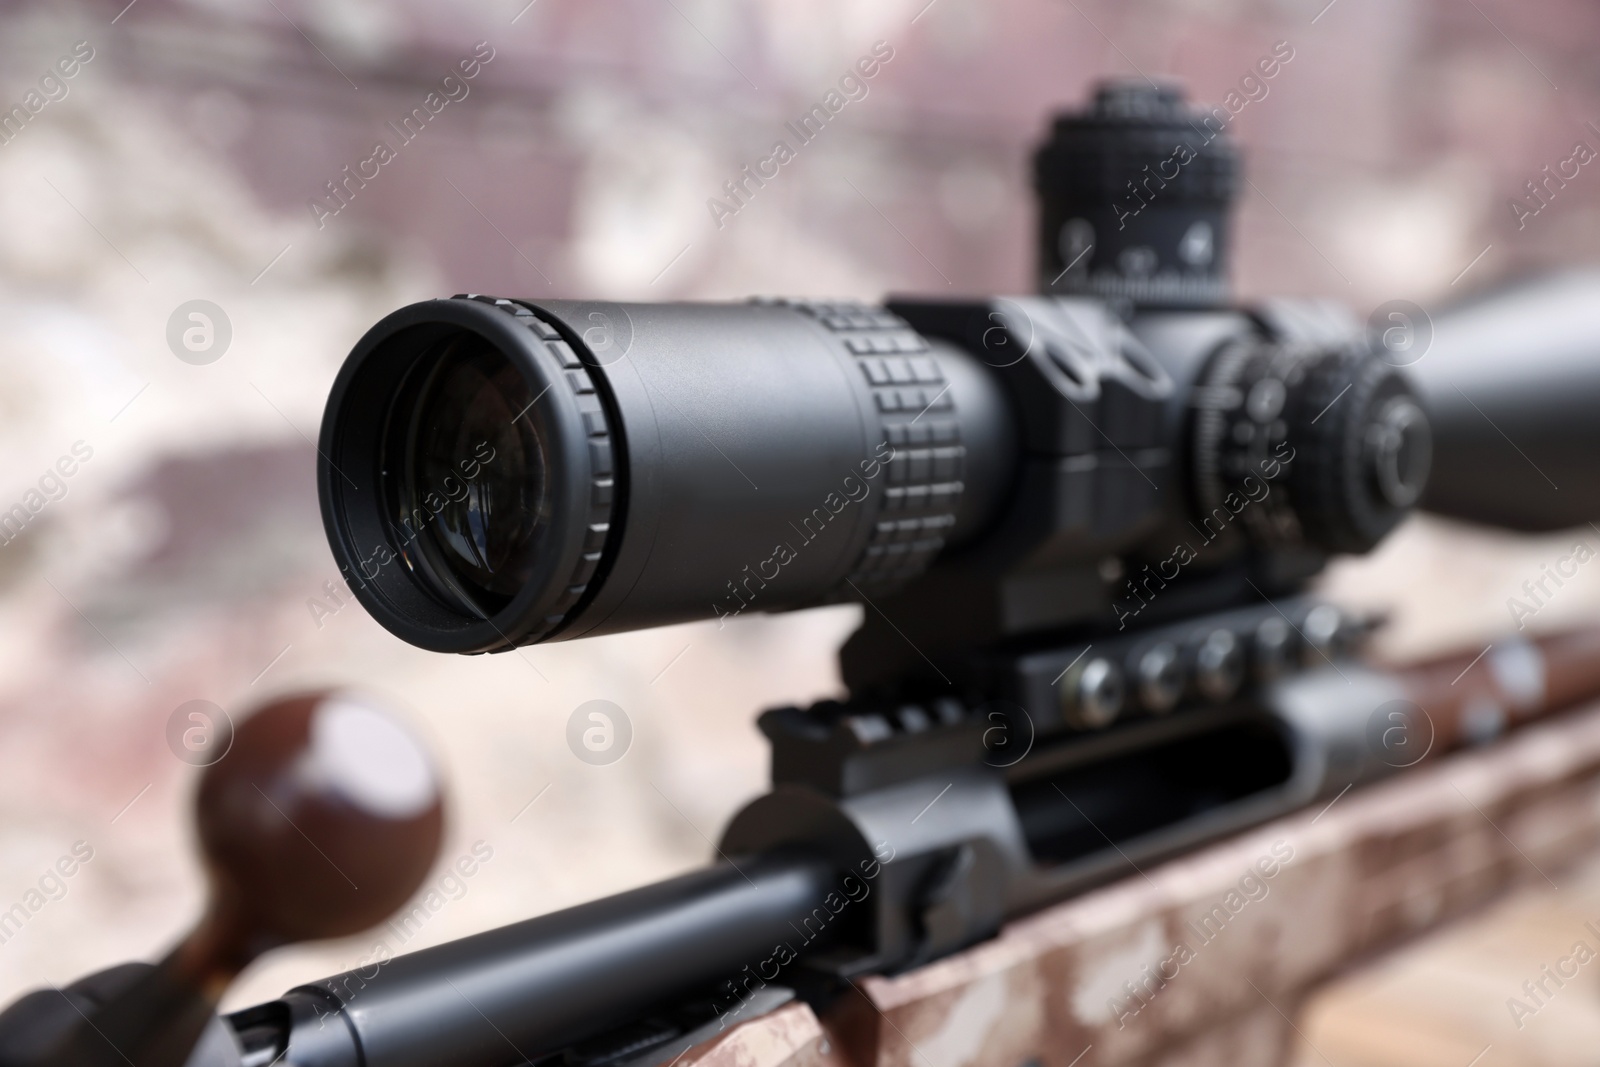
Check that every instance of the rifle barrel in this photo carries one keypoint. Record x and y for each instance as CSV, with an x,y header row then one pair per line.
x,y
514,993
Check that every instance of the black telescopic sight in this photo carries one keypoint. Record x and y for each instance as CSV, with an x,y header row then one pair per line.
x,y
501,472
497,473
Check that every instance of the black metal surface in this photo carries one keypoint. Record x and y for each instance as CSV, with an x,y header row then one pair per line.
x,y
521,991
699,461
1134,197
1511,381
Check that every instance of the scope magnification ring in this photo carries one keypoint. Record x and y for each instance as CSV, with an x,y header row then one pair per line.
x,y
390,555
1326,446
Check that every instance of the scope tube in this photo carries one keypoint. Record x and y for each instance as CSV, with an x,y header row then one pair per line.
x,y
495,473
1511,382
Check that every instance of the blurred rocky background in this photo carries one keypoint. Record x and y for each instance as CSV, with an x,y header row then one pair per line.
x,y
183,160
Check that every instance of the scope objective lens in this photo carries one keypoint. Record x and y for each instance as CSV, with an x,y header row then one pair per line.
x,y
464,474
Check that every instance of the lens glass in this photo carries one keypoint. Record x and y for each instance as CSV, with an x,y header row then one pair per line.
x,y
467,476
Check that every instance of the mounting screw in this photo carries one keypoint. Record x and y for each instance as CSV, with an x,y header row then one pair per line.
x,y
1160,675
1273,652
1323,628
1219,666
1091,695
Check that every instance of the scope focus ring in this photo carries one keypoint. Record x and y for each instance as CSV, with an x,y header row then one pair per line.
x,y
1304,444
602,466
916,419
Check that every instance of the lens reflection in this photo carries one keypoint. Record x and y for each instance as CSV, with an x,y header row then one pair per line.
x,y
471,490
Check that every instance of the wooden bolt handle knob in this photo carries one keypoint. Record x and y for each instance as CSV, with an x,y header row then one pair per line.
x,y
322,818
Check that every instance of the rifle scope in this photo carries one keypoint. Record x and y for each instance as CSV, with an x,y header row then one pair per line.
x,y
497,473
